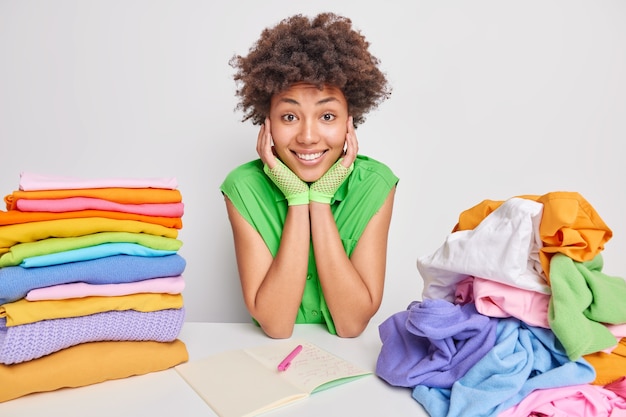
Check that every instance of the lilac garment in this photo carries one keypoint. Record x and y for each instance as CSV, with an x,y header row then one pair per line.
x,y
15,281
87,203
523,359
433,343
166,285
34,340
30,181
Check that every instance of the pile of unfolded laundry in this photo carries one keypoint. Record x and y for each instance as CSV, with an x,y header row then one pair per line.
x,y
90,281
516,318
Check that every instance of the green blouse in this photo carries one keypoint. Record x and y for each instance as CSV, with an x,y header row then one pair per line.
x,y
264,206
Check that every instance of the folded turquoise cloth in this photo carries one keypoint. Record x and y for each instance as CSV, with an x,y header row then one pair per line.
x,y
93,252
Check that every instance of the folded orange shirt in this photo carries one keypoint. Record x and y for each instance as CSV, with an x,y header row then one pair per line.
x,y
87,364
118,195
569,225
17,217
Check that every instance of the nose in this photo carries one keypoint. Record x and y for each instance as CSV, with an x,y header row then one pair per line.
x,y
308,134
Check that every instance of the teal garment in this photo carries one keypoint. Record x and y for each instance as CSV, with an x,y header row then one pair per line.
x,y
93,252
264,206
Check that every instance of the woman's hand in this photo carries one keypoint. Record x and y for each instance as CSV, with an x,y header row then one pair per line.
x,y
264,145
294,189
352,145
323,190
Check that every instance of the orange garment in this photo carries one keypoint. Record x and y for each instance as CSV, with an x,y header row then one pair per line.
x,y
33,231
23,311
569,225
609,366
118,195
17,217
87,364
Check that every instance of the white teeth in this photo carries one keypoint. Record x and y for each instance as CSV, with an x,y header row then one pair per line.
x,y
309,156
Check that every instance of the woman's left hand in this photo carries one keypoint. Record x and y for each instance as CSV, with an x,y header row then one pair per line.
x,y
323,190
352,145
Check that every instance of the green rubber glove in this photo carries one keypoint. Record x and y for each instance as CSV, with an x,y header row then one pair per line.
x,y
295,190
324,189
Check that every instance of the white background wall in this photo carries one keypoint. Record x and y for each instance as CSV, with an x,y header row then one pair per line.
x,y
491,99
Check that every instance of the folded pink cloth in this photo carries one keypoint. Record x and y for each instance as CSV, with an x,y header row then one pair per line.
x,y
618,387
619,331
167,285
30,181
86,203
569,401
495,299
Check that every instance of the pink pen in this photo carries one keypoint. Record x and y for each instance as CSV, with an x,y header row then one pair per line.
x,y
284,364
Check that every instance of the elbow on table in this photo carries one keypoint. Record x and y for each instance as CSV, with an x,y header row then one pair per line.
x,y
278,332
350,331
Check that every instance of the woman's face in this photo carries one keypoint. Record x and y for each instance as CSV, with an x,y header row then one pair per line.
x,y
309,128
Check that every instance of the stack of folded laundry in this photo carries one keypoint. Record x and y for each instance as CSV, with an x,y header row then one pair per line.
x,y
90,281
517,317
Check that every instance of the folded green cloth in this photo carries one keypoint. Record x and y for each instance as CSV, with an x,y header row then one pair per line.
x,y
584,300
17,253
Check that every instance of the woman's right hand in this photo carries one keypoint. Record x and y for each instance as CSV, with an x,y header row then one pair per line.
x,y
295,190
265,146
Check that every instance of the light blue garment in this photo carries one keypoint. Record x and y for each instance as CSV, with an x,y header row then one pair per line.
x,y
93,252
524,359
15,281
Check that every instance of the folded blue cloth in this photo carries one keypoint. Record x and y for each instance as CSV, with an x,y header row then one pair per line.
x,y
523,359
93,252
15,281
433,343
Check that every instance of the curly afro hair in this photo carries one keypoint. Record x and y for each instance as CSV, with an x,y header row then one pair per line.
x,y
324,50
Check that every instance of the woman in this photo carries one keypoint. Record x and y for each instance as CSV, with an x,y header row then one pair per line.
x,y
311,217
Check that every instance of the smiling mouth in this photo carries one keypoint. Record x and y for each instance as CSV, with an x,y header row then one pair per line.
x,y
309,156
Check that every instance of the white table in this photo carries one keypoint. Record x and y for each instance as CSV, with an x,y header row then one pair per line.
x,y
166,394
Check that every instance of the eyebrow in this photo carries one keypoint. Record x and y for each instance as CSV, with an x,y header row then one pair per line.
x,y
322,101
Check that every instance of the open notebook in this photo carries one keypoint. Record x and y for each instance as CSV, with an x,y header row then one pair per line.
x,y
246,382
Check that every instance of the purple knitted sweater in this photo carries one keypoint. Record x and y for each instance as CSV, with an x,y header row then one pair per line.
x,y
30,341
